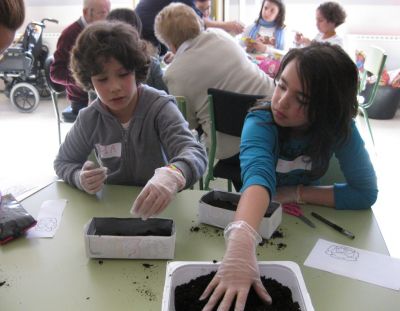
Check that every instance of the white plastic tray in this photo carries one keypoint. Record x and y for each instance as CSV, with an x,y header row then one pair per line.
x,y
129,247
220,217
287,273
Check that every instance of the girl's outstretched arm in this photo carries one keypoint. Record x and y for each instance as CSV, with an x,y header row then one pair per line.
x,y
239,268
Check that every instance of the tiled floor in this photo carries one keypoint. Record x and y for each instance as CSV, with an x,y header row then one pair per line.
x,y
29,143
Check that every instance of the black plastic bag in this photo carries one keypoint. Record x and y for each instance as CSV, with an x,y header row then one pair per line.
x,y
14,219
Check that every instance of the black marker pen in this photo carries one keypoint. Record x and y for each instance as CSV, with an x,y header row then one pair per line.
x,y
334,226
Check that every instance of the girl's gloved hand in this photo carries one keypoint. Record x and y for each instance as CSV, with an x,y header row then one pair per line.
x,y
158,192
238,270
91,178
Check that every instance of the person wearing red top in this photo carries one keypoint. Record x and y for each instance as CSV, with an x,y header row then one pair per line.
x,y
93,10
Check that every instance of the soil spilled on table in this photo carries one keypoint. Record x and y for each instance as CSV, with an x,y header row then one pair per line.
x,y
214,232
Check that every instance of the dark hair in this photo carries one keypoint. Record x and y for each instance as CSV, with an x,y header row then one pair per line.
x,y
330,79
333,12
280,18
102,40
12,13
128,16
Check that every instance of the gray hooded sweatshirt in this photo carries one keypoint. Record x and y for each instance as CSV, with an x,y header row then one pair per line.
x,y
157,135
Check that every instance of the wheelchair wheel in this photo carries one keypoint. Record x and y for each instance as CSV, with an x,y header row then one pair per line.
x,y
25,97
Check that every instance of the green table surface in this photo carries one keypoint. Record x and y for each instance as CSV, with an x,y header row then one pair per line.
x,y
55,274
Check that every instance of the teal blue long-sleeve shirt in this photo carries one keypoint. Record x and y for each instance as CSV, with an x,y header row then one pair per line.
x,y
263,162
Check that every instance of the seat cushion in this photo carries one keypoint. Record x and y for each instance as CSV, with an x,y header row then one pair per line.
x,y
385,104
227,171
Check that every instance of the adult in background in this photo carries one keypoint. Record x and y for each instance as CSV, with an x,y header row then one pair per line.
x,y
129,16
206,59
148,9
93,10
12,15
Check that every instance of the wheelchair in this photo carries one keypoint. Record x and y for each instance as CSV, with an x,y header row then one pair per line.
x,y
22,68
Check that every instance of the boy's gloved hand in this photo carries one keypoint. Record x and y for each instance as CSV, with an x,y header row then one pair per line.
x,y
158,192
92,178
238,270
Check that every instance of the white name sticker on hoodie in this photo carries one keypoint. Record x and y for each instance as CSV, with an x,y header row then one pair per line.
x,y
109,151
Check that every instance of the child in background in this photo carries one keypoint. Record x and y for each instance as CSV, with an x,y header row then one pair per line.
x,y
129,16
329,16
137,132
268,29
286,148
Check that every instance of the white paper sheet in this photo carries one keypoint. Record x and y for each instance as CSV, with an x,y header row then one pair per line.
x,y
48,220
355,263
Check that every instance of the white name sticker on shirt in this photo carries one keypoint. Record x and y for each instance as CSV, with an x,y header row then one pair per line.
x,y
300,163
109,151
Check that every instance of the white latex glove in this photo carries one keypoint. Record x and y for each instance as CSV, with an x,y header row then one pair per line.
x,y
92,178
238,270
158,192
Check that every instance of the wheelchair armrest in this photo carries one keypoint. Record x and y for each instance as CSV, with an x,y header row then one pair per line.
x,y
17,49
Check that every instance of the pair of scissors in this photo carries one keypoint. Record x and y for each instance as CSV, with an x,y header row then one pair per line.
x,y
295,210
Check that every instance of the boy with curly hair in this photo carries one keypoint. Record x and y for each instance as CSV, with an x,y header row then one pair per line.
x,y
137,132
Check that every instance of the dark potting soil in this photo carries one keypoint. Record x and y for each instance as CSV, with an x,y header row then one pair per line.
x,y
232,206
187,296
130,226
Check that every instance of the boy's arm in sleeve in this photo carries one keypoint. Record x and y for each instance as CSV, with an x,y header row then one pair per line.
x,y
181,147
72,154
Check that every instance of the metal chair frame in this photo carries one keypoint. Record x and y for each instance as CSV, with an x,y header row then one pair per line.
x,y
181,102
55,90
374,64
232,127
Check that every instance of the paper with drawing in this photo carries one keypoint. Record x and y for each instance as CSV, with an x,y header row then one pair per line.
x,y
48,220
355,263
